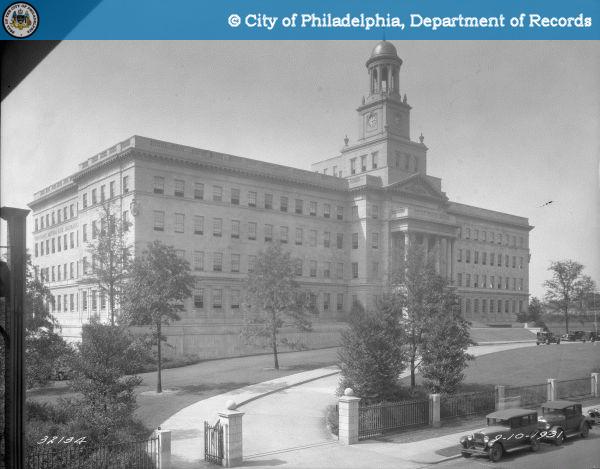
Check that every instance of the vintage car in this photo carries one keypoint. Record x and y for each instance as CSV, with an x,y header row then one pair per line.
x,y
561,419
546,338
594,416
507,431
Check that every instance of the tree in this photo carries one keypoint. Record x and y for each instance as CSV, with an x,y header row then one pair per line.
x,y
585,288
158,284
275,299
110,257
444,350
534,313
371,356
561,289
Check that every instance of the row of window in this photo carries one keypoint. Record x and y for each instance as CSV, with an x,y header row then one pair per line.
x,y
495,259
495,306
55,217
488,236
363,163
517,283
57,273
58,244
300,207
102,195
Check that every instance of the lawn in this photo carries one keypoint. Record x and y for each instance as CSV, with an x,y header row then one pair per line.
x,y
532,365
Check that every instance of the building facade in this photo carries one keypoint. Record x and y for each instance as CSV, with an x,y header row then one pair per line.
x,y
348,221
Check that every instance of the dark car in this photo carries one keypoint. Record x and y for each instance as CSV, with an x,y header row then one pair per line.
x,y
507,431
561,419
547,338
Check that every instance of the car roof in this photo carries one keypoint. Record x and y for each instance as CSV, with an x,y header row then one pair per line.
x,y
558,404
509,413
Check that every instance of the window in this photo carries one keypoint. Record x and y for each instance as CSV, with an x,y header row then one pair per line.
x,y
198,260
313,268
484,281
47,220
468,233
506,283
374,160
94,300
65,242
72,302
199,191
492,256
36,224
102,300
499,282
354,241
326,301
58,304
268,233
251,199
252,230
94,201
476,257
198,295
84,202
179,188
299,235
468,280
179,222
520,262
312,238
459,279
375,211
125,184
125,220
326,210
340,302
492,281
283,204
159,185
484,257
71,210
363,163
111,190
251,263
283,234
72,270
159,221
476,235
299,206
340,213
58,274
217,227
42,248
340,240
235,299
514,262
339,270
313,209
59,244
217,297
84,300
375,240
217,193
58,215
326,239
375,269
459,257
484,304
468,256
235,262
269,201
298,267
506,306
235,196
353,166
327,270
521,284
355,212
355,270
476,281
217,262
468,306
94,232
198,224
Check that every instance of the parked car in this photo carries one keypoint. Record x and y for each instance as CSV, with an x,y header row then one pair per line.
x,y
562,419
593,416
546,338
507,431
590,335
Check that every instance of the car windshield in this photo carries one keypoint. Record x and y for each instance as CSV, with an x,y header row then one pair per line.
x,y
501,422
552,411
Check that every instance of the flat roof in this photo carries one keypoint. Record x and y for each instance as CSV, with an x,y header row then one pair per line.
x,y
558,404
510,413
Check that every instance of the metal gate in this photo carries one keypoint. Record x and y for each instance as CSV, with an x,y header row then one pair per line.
x,y
213,442
374,420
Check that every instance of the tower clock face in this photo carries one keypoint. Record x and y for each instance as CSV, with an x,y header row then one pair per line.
x,y
372,121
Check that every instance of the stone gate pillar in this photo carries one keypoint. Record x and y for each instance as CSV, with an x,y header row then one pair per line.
x,y
348,418
231,420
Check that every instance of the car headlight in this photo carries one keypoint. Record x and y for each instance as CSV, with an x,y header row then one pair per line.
x,y
486,439
470,437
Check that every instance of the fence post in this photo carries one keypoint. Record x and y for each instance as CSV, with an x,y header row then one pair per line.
x,y
595,388
164,448
434,418
500,393
231,420
348,418
551,394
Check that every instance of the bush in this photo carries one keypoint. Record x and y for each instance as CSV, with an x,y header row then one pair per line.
x,y
332,418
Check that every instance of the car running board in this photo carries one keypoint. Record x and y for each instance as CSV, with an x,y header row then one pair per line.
x,y
516,448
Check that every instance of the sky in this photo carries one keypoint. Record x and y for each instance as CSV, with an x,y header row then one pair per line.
x,y
510,125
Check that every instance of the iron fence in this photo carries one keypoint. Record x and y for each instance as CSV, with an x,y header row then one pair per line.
x,y
531,396
213,442
573,388
374,420
472,403
133,455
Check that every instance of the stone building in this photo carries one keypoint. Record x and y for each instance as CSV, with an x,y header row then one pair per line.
x,y
349,221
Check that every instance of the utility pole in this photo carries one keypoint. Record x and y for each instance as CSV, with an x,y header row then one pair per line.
x,y
13,286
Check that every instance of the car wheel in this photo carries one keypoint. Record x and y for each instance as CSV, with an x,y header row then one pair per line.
x,y
559,440
466,455
535,444
585,431
496,452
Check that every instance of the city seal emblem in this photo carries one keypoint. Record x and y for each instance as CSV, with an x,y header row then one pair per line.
x,y
20,20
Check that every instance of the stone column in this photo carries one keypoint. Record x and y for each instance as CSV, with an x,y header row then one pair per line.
x,y
348,418
379,78
452,261
551,389
434,401
406,244
499,397
595,384
438,256
231,420
164,445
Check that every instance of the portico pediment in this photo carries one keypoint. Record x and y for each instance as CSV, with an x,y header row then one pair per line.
x,y
418,185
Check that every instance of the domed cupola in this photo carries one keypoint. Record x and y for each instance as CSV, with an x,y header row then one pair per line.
x,y
384,69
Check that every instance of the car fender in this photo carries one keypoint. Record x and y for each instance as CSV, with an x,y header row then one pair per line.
x,y
585,421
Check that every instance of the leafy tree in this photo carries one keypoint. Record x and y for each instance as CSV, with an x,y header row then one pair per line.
x,y
274,299
585,288
110,257
444,349
533,314
371,356
159,283
562,288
